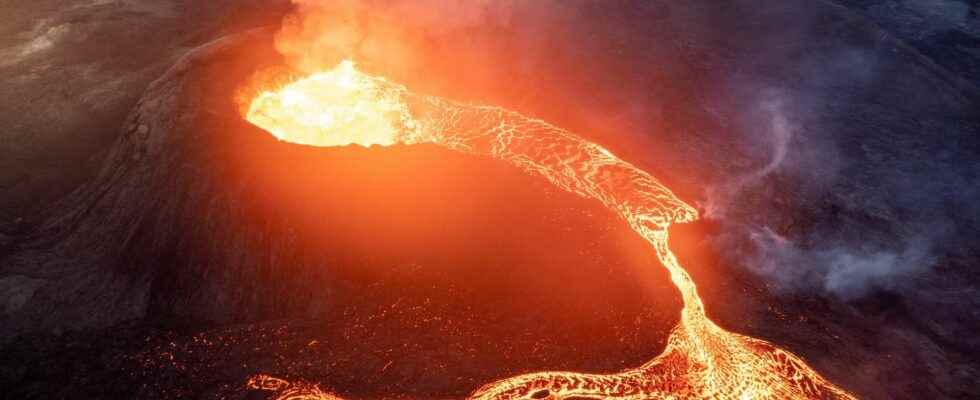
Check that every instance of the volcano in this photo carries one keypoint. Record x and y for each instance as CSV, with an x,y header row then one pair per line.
x,y
444,270
159,239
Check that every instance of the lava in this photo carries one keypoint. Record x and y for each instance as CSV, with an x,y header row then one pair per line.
x,y
343,106
334,108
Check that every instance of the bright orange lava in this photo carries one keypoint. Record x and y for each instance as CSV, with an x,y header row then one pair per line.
x,y
343,106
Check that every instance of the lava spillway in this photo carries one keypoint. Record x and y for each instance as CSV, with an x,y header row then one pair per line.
x,y
343,106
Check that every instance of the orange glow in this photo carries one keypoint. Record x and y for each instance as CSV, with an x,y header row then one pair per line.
x,y
343,106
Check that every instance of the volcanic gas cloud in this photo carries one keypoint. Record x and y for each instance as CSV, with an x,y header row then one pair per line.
x,y
343,106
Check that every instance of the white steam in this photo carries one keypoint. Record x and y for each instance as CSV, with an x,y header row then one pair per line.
x,y
777,136
846,271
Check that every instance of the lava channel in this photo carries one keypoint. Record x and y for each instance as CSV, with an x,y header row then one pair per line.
x,y
343,106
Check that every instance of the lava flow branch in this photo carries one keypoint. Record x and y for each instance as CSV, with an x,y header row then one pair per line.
x,y
343,106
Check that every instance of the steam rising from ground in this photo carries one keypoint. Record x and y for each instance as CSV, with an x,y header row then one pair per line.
x,y
846,271
819,260
882,207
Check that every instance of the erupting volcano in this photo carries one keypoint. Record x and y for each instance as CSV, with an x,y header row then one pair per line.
x,y
343,106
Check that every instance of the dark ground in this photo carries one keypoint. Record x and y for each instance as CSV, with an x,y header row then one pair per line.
x,y
175,261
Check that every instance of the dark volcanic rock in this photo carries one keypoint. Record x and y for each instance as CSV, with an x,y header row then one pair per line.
x,y
947,32
73,70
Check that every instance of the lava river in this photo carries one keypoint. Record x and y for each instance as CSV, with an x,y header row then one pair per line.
x,y
343,106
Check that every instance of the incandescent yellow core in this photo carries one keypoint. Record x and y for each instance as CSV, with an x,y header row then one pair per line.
x,y
337,107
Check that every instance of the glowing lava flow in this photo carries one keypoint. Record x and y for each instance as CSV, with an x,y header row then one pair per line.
x,y
344,106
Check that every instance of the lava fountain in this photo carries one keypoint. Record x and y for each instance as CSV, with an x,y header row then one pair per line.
x,y
343,106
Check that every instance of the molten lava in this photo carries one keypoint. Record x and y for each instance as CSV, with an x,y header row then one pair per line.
x,y
334,108
344,106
